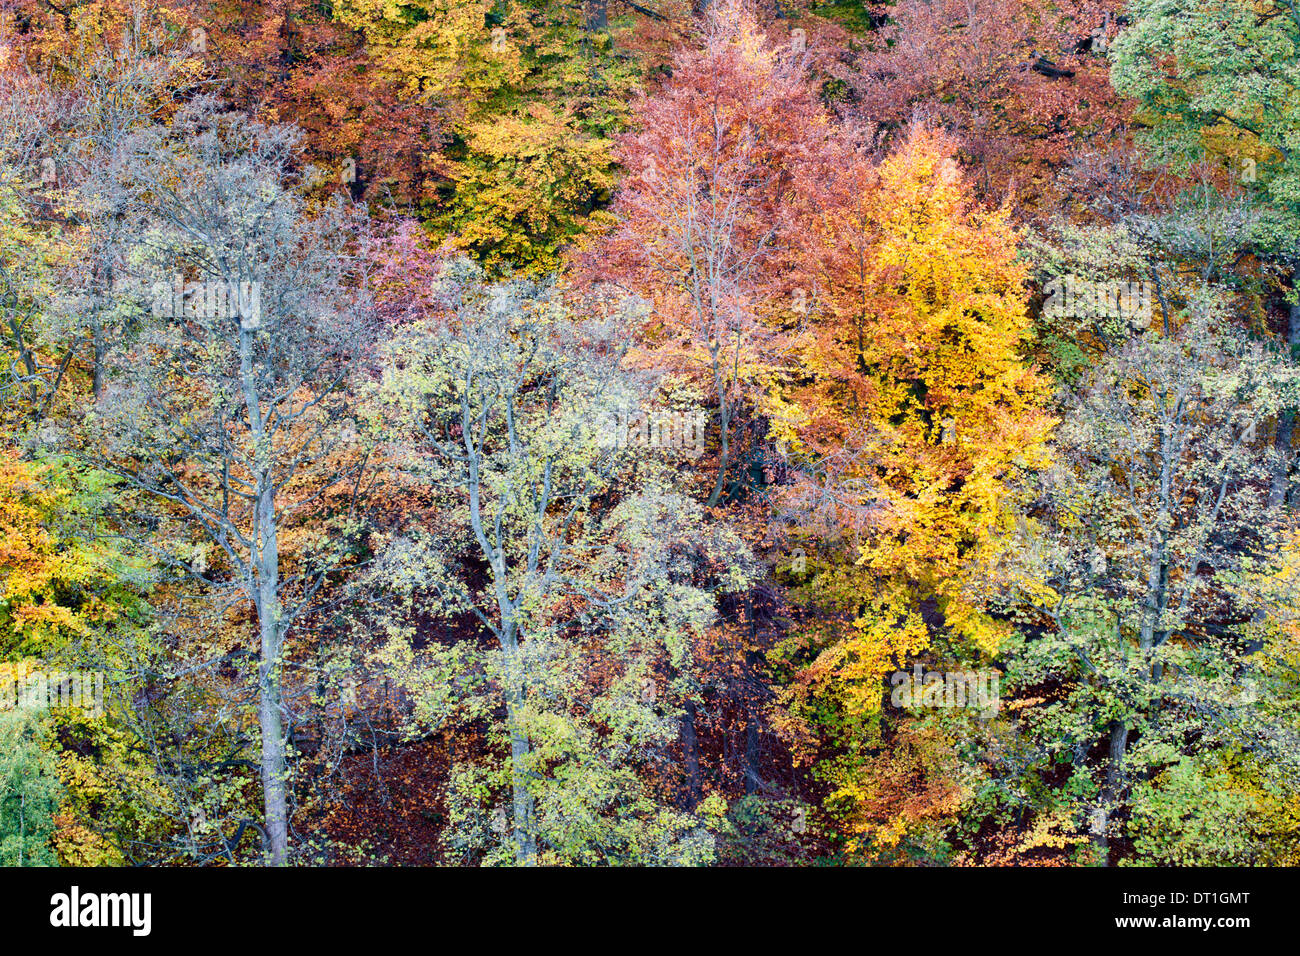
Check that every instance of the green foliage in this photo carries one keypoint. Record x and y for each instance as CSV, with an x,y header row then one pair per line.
x,y
1157,467
598,577
1192,815
29,792
1219,80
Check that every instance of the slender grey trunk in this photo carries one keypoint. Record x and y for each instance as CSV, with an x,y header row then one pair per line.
x,y
1157,598
522,798
525,830
1277,493
752,755
28,358
100,349
99,343
270,711
753,661
1119,731
266,569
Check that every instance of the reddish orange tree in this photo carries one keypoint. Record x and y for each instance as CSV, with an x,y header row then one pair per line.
x,y
707,211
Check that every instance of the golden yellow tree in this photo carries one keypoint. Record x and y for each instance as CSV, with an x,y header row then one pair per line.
x,y
913,410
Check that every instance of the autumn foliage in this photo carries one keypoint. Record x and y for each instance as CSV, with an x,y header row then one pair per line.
x,y
659,433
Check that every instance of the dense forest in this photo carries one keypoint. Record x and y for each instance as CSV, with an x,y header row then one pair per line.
x,y
596,432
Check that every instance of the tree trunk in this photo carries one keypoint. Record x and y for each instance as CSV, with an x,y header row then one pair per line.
x,y
691,749
521,797
525,832
270,705
752,755
28,358
1110,793
266,568
724,432
753,661
270,713
1277,493
100,349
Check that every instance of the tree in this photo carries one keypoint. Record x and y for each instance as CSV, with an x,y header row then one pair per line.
x,y
33,372
1131,578
1218,81
532,96
707,211
62,580
72,601
29,792
914,415
229,408
1022,87
551,535
30,258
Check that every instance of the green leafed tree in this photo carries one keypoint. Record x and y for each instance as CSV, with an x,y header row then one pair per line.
x,y
1220,81
1131,578
581,579
29,793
